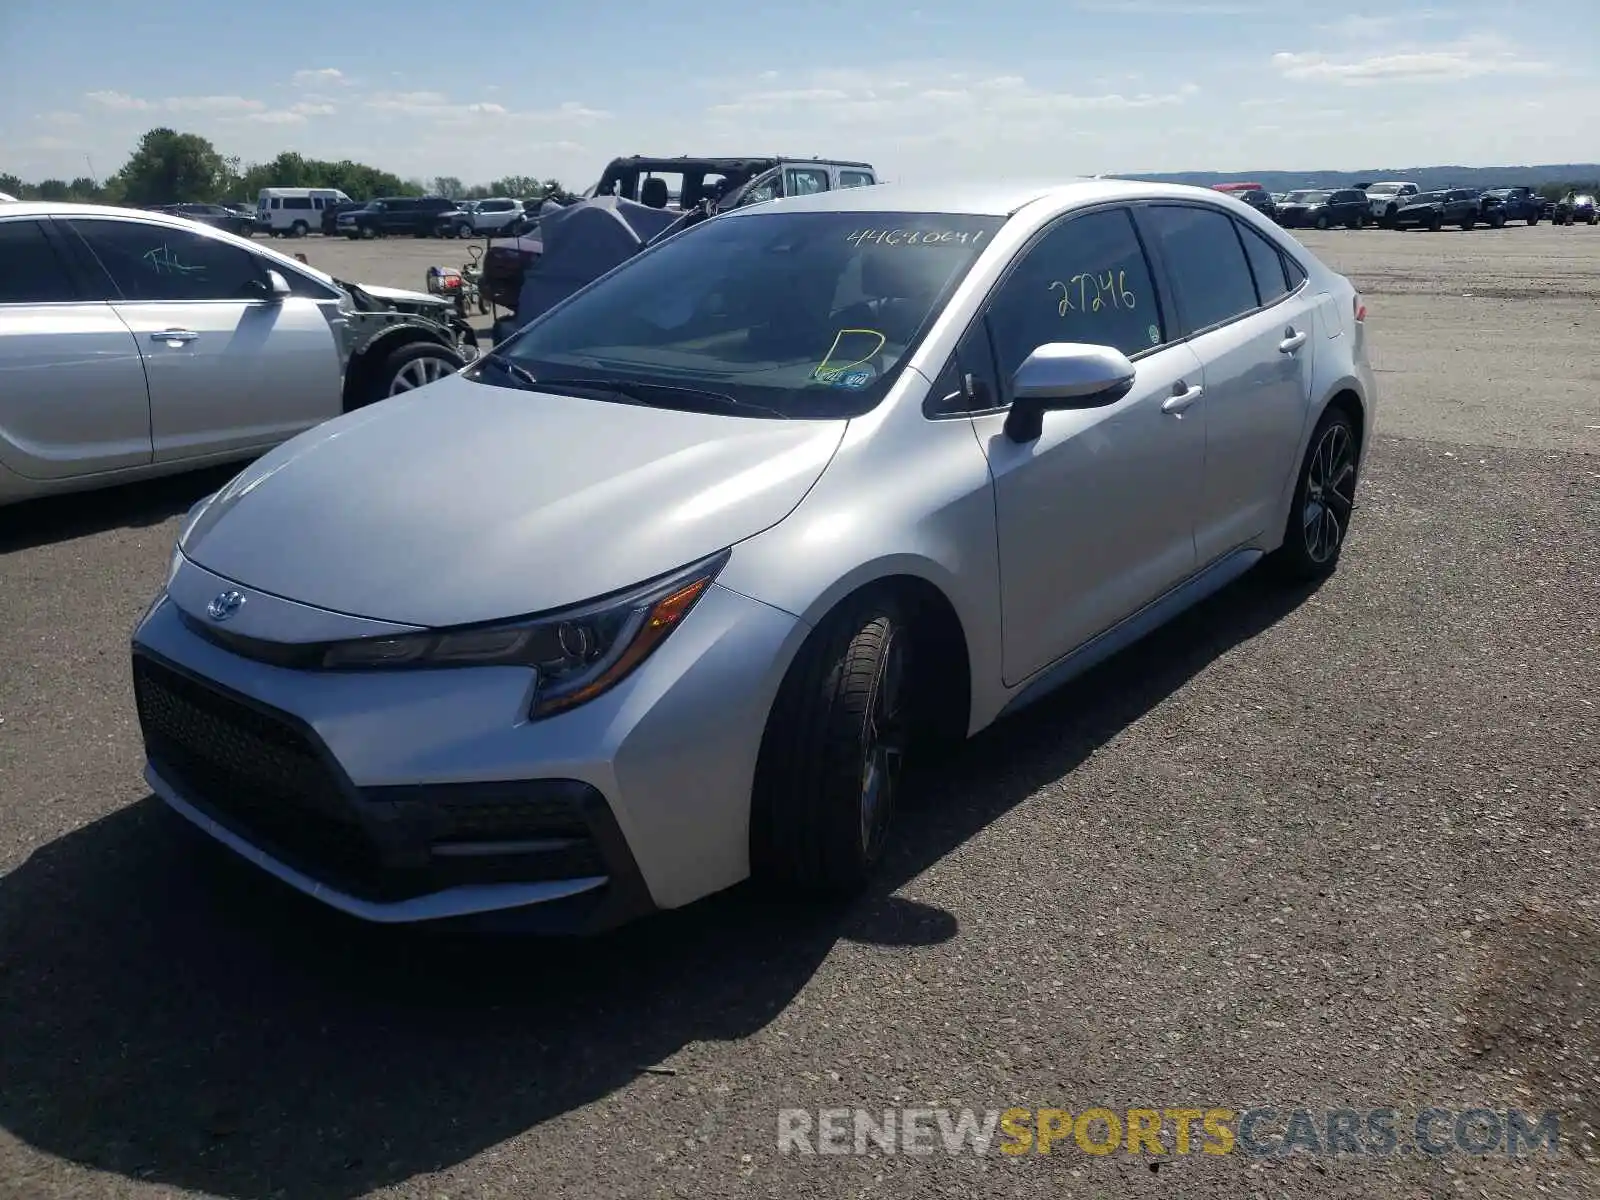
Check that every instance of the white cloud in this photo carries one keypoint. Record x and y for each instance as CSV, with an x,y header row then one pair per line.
x,y
223,105
439,107
1472,58
320,76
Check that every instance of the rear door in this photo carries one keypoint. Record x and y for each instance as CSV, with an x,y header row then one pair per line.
x,y
1255,340
229,367
72,388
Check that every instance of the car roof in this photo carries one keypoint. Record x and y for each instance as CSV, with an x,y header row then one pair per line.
x,y
997,199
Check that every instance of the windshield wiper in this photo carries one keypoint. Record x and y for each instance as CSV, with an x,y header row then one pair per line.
x,y
642,393
521,374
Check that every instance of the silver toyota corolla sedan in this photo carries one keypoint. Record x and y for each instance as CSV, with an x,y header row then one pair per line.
x,y
664,592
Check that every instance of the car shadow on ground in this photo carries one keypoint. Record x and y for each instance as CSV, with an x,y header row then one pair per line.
x,y
129,506
170,1015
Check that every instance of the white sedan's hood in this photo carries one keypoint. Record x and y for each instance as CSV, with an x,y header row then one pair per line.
x,y
465,502
400,295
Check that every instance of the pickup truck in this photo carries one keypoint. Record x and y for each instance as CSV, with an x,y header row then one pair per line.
x,y
1385,200
1512,204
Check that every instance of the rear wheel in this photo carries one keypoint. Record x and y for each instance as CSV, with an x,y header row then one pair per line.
x,y
1324,499
299,229
831,759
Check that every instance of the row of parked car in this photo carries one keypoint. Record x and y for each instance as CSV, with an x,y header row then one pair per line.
x,y
1399,204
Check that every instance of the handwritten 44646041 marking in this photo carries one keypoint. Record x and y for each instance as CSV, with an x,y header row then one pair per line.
x,y
1094,292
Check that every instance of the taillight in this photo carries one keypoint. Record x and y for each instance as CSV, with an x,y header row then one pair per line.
x,y
1359,308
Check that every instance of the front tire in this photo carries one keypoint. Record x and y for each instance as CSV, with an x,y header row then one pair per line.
x,y
832,755
411,366
1324,499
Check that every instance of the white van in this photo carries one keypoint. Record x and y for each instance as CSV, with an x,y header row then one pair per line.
x,y
295,211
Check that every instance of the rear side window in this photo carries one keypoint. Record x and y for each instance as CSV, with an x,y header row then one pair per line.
x,y
855,179
1205,262
1266,264
33,273
1294,271
298,202
153,262
1085,280
807,181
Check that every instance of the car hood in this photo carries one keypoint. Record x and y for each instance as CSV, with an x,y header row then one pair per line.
x,y
399,295
464,502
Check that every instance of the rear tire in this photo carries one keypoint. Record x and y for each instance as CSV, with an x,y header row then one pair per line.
x,y
831,756
1324,500
299,229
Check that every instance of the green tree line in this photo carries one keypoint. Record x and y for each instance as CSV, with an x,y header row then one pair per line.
x,y
168,167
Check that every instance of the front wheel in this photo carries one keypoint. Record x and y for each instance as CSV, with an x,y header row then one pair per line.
x,y
1533,220
1321,222
1324,499
831,757
412,366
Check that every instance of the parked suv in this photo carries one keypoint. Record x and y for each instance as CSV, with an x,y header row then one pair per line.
x,y
1435,210
1323,209
1576,210
494,215
420,216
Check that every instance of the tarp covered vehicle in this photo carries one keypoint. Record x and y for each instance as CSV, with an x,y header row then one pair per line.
x,y
637,193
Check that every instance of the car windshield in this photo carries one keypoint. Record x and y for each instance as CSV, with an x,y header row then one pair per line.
x,y
1307,197
802,315
1430,197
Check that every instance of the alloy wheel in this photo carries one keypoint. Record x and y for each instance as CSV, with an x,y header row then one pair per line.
x,y
420,372
883,746
1330,493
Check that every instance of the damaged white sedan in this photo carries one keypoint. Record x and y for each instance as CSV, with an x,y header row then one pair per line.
x,y
135,344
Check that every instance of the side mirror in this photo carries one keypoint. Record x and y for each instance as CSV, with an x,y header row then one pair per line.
x,y
277,286
1060,375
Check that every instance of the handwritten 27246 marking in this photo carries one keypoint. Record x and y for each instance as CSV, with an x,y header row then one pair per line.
x,y
1094,292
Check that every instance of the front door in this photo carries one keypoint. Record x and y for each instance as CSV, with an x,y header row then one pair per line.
x,y
1257,338
230,368
72,392
1095,516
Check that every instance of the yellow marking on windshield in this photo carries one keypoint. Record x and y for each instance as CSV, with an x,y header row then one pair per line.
x,y
829,372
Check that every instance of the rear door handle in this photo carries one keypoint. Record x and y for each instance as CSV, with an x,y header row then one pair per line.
x,y
174,335
1292,341
1182,396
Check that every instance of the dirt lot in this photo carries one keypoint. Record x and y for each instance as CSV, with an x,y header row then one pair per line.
x,y
1315,852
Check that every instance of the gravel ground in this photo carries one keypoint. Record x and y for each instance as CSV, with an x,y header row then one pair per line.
x,y
1299,850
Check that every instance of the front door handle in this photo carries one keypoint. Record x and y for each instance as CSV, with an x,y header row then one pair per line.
x,y
174,336
1292,341
1182,396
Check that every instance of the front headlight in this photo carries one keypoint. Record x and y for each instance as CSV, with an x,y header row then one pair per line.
x,y
575,655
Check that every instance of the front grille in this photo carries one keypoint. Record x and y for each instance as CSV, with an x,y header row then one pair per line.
x,y
255,773
267,780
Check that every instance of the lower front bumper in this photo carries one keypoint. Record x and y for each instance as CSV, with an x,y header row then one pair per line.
x,y
263,785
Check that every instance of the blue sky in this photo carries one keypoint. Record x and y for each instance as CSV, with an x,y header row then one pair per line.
x,y
926,89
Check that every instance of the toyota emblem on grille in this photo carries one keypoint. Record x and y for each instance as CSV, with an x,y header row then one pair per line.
x,y
225,605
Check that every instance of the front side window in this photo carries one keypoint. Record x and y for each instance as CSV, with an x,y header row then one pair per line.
x,y
154,262
807,315
849,179
1205,263
766,190
33,273
1086,280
